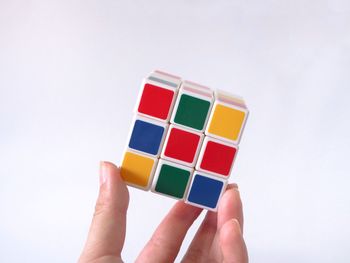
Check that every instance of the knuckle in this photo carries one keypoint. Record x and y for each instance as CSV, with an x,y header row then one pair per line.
x,y
101,206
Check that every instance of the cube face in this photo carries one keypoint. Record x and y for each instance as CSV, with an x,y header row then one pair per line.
x,y
216,157
165,78
147,137
230,99
160,79
190,159
156,101
191,112
226,122
137,170
171,179
205,191
182,146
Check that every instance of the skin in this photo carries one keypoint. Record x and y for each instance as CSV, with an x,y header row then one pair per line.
x,y
218,239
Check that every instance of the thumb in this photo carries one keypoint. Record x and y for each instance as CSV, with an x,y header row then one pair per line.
x,y
107,231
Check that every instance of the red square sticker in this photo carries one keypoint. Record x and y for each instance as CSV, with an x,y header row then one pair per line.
x,y
182,145
218,158
156,101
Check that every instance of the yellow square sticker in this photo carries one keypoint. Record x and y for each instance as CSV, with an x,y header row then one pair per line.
x,y
137,169
226,122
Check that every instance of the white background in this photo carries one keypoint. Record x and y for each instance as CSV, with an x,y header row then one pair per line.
x,y
69,77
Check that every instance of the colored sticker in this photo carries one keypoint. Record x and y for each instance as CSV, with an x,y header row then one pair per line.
x,y
205,191
226,122
137,169
156,101
192,112
182,145
146,137
218,158
172,181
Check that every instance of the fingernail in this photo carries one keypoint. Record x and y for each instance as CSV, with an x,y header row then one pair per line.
x,y
232,186
103,172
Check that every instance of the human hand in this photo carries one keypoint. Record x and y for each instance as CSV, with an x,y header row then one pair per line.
x,y
218,239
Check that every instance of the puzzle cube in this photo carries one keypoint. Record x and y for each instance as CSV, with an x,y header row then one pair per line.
x,y
182,146
137,169
192,106
205,191
147,136
190,159
228,117
171,179
216,157
158,95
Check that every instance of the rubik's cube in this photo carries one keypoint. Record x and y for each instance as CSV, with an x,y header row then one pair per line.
x,y
184,140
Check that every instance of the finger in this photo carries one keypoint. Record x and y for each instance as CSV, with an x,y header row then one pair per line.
x,y
232,244
107,231
199,247
167,239
230,206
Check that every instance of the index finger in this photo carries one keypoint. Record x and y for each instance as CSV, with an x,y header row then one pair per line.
x,y
167,239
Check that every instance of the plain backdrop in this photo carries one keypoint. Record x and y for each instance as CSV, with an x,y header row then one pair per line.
x,y
70,73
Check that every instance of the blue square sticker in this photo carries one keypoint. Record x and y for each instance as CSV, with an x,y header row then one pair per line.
x,y
205,191
146,137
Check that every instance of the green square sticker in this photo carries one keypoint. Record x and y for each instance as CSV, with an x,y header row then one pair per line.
x,y
192,112
172,181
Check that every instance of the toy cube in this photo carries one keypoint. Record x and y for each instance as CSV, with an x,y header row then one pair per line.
x,y
192,106
147,136
216,157
228,117
158,95
197,150
205,191
137,169
171,179
182,146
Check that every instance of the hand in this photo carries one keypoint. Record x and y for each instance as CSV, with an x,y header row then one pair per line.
x,y
219,238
